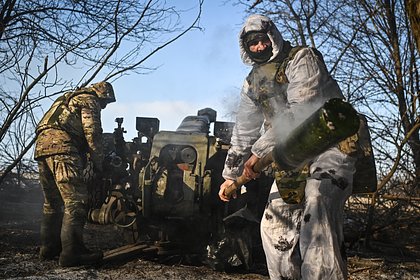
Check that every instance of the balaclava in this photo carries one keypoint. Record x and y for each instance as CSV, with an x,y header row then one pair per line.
x,y
254,37
257,27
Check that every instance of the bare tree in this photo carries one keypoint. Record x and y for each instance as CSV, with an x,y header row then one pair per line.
x,y
50,46
413,12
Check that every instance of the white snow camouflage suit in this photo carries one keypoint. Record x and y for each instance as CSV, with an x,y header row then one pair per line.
x,y
305,240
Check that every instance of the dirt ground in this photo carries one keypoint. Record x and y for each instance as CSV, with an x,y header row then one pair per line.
x,y
20,212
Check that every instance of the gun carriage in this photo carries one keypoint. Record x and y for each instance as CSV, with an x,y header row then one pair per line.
x,y
161,189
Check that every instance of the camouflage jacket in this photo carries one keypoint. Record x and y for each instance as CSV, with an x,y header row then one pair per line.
x,y
72,125
279,93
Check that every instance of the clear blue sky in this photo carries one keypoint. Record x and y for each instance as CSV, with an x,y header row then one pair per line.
x,y
201,69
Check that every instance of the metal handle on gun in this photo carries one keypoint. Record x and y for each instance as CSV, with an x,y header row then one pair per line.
x,y
242,180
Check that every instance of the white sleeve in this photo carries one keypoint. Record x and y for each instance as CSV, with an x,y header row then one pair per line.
x,y
309,80
246,131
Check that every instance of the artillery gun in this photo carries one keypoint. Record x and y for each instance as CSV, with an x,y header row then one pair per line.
x,y
161,190
162,187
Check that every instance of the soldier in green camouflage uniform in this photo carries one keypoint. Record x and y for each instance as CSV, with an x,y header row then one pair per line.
x,y
67,135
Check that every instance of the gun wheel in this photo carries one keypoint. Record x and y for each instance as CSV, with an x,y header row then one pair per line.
x,y
123,212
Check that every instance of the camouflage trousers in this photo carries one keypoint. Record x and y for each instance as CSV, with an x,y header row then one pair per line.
x,y
306,240
62,183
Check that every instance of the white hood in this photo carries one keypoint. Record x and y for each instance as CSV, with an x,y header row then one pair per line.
x,y
264,24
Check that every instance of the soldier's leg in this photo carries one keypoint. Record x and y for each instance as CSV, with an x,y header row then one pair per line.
x,y
321,235
52,213
68,175
280,235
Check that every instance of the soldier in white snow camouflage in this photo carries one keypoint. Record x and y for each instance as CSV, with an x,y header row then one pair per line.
x,y
69,133
301,239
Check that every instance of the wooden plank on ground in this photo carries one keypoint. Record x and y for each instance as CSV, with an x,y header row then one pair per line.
x,y
125,252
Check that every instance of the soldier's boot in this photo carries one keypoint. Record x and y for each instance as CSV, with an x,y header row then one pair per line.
x,y
50,236
74,252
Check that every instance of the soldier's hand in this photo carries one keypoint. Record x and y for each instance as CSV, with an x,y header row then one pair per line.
x,y
223,186
249,167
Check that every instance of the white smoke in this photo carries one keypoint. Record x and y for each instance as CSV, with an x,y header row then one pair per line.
x,y
289,120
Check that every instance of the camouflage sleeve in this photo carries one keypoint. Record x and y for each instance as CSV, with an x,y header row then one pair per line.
x,y
90,112
309,80
245,132
265,143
